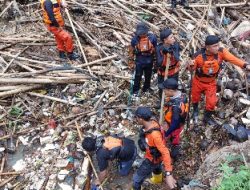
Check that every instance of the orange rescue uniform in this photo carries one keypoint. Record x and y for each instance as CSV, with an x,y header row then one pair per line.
x,y
203,82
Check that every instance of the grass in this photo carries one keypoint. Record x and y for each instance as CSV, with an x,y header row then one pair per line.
x,y
234,178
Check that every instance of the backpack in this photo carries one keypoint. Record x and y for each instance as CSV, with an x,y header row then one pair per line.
x,y
144,46
183,105
143,144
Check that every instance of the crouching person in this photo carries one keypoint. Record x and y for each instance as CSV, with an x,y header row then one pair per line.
x,y
110,148
153,143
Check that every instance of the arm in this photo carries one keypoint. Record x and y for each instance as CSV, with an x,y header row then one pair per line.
x,y
102,157
159,57
233,59
159,143
49,9
175,120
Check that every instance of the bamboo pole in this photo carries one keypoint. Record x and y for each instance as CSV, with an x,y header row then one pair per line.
x,y
18,90
51,98
163,94
78,40
97,61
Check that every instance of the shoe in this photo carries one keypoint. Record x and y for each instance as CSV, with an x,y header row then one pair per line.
x,y
196,113
208,119
62,55
156,178
73,56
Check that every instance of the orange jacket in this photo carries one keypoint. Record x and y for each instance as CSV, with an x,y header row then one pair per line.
x,y
222,55
56,12
155,139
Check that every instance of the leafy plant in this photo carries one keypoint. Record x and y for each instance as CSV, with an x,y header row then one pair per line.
x,y
233,178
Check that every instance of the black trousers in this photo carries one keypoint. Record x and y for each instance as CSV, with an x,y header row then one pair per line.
x,y
161,79
141,69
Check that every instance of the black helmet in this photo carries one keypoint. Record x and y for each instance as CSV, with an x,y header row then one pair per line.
x,y
141,29
165,33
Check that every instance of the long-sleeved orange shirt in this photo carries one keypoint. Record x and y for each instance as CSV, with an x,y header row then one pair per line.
x,y
155,139
223,54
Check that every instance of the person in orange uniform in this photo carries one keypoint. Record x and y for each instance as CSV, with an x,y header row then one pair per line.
x,y
176,110
153,143
53,19
109,148
207,63
168,46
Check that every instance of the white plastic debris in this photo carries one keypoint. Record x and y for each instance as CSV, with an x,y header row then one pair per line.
x,y
45,140
245,121
228,94
92,120
243,27
23,140
50,147
61,163
248,113
2,149
190,26
65,186
62,175
244,101
19,165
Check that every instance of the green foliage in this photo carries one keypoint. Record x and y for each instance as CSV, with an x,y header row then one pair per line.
x,y
16,111
233,178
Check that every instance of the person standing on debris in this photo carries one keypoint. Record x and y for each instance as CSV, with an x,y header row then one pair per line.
x,y
141,56
53,19
110,148
206,64
176,110
167,46
153,143
184,3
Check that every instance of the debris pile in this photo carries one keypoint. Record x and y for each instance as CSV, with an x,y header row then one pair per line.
x,y
48,104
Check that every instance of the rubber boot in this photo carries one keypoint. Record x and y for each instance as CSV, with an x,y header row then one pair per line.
x,y
208,119
62,55
156,178
196,113
173,4
73,56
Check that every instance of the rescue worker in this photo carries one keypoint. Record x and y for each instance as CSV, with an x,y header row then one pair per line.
x,y
206,64
168,45
176,110
54,22
110,148
184,3
153,143
141,56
